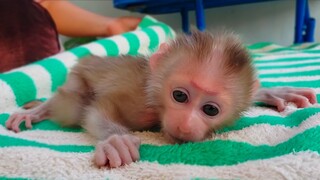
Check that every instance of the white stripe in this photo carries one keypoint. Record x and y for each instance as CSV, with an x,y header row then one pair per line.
x,y
144,42
289,70
292,79
302,46
255,111
67,58
161,34
266,48
95,49
41,163
317,90
283,56
7,98
152,19
76,138
316,47
260,134
288,63
51,137
40,77
121,42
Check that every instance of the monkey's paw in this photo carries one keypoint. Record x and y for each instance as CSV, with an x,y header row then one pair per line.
x,y
117,150
16,119
280,96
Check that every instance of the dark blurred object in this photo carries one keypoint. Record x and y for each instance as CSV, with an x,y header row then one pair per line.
x,y
304,24
27,33
75,42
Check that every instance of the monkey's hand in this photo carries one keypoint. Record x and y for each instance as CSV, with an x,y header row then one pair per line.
x,y
280,96
117,150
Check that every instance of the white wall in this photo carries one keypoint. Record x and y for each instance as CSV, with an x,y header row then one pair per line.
x,y
266,21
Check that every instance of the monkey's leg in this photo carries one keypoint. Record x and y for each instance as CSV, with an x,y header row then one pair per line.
x,y
116,145
65,106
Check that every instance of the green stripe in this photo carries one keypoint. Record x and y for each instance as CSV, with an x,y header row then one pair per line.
x,y
223,152
12,178
146,22
284,59
134,43
290,66
294,48
80,51
292,120
110,46
43,125
260,45
154,39
12,141
289,74
209,153
299,46
315,51
22,86
57,71
310,84
286,49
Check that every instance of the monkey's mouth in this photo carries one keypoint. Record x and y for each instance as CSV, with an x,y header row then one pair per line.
x,y
181,138
173,139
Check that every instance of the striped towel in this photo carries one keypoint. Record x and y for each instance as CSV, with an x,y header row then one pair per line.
x,y
263,144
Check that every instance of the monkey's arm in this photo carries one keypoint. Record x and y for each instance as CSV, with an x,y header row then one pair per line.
x,y
116,145
37,114
280,96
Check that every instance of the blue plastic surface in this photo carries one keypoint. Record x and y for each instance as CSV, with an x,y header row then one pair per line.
x,y
304,28
171,6
305,25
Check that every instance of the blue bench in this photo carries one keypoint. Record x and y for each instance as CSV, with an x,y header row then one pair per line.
x,y
304,24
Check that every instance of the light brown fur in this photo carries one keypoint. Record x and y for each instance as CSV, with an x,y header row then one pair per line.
x,y
113,95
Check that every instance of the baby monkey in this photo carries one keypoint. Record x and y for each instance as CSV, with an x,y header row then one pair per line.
x,y
191,86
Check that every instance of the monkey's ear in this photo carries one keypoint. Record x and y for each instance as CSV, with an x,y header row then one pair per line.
x,y
154,58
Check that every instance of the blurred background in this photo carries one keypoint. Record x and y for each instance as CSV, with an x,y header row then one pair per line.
x,y
256,22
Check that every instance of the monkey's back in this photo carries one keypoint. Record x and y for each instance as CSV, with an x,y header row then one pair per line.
x,y
118,85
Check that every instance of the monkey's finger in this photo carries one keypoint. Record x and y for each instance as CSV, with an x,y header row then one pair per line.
x,y
112,155
16,123
28,122
10,121
278,102
308,93
134,151
100,158
299,100
136,141
122,149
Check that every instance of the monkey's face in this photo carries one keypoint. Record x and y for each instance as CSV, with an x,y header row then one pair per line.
x,y
194,104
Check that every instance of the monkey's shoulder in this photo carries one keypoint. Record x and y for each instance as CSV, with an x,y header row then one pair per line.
x,y
110,61
124,65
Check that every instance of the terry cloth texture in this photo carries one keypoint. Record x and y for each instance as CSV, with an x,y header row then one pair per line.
x,y
263,144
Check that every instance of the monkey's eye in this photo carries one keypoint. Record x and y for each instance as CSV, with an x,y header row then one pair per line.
x,y
180,96
210,109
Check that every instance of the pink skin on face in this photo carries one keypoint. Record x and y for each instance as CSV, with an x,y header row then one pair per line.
x,y
187,121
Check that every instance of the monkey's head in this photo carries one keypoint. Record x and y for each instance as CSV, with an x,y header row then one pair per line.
x,y
200,82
